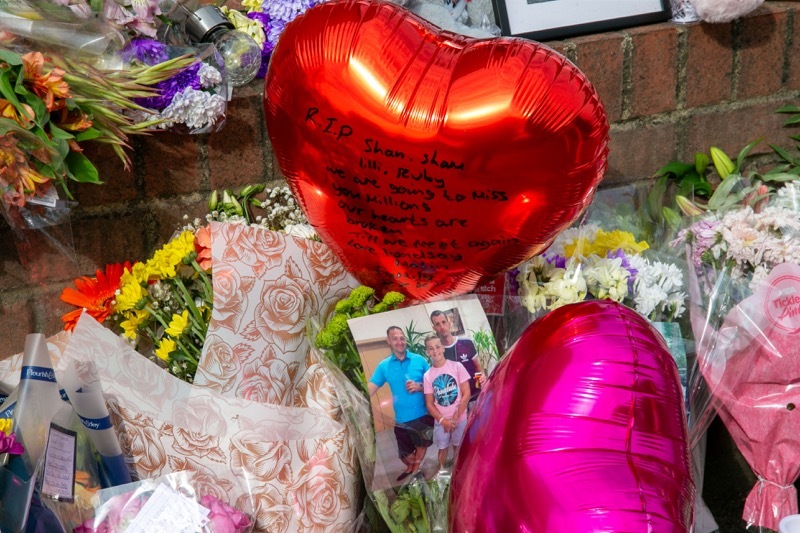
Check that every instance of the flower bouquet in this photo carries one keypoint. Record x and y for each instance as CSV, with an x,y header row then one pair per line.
x,y
744,269
171,503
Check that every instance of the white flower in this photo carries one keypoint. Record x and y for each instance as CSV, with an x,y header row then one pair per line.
x,y
607,279
565,287
570,236
209,76
196,109
304,231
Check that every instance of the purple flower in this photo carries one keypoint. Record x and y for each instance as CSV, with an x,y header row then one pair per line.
x,y
557,261
148,51
620,254
170,87
263,18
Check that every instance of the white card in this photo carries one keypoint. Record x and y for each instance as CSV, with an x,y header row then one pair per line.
x,y
167,510
58,480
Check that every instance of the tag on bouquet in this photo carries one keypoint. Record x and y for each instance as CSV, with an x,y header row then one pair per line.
x,y
58,481
780,294
167,510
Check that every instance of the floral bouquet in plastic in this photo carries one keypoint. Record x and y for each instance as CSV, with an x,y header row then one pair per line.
x,y
744,281
170,503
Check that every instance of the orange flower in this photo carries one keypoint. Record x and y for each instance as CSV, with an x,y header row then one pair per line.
x,y
46,85
75,120
17,178
7,110
202,245
96,294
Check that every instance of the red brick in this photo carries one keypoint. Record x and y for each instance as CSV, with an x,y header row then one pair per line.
x,y
169,163
112,238
35,256
709,64
12,273
119,185
761,52
731,130
169,216
638,152
654,73
793,81
48,309
16,321
600,58
236,153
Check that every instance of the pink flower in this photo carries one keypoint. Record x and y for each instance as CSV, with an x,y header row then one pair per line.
x,y
9,444
224,518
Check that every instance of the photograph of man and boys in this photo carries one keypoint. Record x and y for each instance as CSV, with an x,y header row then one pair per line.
x,y
424,373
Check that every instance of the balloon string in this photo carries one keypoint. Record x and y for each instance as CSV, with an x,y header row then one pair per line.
x,y
764,481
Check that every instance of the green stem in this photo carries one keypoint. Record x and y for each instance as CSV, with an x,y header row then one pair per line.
x,y
194,313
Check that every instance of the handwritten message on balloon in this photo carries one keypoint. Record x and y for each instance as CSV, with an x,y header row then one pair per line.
x,y
427,161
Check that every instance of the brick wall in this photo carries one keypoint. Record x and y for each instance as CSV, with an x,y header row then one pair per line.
x,y
669,91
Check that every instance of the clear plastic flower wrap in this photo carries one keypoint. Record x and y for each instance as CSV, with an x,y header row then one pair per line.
x,y
744,286
174,502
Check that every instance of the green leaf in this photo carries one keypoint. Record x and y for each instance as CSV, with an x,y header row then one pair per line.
x,y
8,92
793,120
672,217
400,510
88,135
700,163
723,192
743,154
785,155
676,168
82,169
788,109
655,199
781,176
10,57
58,133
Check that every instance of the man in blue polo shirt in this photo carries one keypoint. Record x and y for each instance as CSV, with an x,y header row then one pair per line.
x,y
403,371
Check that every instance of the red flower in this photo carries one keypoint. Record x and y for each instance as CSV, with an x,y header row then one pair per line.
x,y
96,294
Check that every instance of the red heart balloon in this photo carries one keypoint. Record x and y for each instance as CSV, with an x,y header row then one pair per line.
x,y
428,160
580,428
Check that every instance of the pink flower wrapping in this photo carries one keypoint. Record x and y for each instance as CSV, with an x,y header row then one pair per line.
x,y
751,366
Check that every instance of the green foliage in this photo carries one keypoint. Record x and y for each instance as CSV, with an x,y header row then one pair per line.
x,y
486,346
415,340
335,339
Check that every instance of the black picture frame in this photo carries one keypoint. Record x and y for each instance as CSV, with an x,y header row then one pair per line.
x,y
615,16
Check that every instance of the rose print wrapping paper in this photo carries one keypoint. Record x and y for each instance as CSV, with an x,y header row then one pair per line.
x,y
267,285
282,462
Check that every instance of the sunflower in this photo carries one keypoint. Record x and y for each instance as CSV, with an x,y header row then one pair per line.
x,y
96,294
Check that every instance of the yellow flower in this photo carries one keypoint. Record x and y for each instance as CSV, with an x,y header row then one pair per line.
x,y
580,247
131,292
165,347
5,426
164,263
130,325
178,324
252,6
611,241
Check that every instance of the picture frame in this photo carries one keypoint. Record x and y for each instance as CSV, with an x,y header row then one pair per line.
x,y
544,20
466,316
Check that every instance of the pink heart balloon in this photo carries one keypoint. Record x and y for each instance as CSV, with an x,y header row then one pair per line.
x,y
580,429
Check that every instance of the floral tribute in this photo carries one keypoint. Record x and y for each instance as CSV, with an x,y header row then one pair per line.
x,y
50,105
8,440
588,262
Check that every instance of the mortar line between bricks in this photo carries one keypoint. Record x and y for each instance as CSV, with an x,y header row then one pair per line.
x,y
788,40
203,165
736,37
627,76
678,114
683,59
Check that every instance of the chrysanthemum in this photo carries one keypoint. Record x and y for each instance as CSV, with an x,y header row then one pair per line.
x,y
178,324
96,295
165,348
